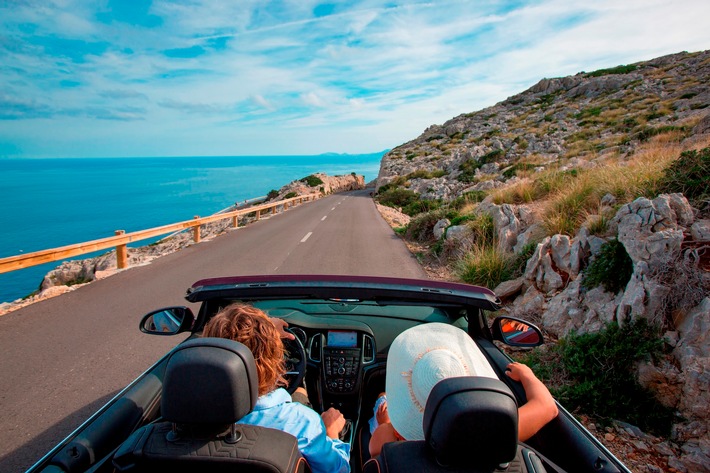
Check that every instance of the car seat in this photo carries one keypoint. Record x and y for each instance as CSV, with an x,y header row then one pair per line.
x,y
209,384
470,425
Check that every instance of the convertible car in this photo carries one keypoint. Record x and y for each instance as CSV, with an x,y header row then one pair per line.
x,y
181,413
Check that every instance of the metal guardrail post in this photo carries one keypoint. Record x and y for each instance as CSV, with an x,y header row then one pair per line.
x,y
196,231
121,253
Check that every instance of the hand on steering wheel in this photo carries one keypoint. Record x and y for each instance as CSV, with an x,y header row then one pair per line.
x,y
295,358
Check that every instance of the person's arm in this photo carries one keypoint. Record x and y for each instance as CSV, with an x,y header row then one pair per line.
x,y
384,432
540,408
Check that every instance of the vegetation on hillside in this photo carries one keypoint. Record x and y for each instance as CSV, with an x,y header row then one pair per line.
x,y
594,373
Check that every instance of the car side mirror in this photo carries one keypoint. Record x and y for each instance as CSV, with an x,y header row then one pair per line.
x,y
168,321
516,332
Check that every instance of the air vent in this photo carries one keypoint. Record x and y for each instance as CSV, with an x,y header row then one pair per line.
x,y
314,349
368,349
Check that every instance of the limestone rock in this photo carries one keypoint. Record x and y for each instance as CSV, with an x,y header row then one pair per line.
x,y
693,355
530,305
700,230
440,228
643,296
664,382
507,289
649,230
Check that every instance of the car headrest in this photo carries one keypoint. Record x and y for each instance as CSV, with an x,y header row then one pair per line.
x,y
471,419
209,381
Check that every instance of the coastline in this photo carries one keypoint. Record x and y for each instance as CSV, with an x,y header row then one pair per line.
x,y
73,274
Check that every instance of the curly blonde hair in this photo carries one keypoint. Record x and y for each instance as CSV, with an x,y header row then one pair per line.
x,y
252,327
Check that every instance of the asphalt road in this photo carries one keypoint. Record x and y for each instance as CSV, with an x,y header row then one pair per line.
x,y
63,358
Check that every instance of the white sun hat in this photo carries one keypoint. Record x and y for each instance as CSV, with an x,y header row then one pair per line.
x,y
419,358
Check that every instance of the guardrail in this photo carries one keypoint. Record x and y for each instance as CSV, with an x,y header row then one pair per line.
x,y
121,239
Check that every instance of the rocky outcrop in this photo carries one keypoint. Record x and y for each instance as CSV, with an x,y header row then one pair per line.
x,y
654,234
327,185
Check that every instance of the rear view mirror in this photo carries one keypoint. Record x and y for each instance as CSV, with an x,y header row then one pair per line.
x,y
168,321
516,332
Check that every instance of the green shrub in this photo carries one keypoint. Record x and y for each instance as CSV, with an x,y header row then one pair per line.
x,y
459,219
468,168
393,197
601,366
421,205
273,193
492,156
421,227
589,112
613,70
312,180
689,175
649,132
467,198
512,171
290,195
611,268
424,174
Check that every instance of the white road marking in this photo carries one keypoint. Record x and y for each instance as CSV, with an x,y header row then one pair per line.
x,y
333,208
324,217
308,235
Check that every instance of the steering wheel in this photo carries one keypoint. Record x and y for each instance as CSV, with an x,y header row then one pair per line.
x,y
295,358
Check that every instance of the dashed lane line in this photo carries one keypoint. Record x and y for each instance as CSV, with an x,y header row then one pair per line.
x,y
308,235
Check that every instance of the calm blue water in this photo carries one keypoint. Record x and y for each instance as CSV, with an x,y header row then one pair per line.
x,y
46,203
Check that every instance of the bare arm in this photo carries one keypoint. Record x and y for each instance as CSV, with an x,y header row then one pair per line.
x,y
383,434
540,408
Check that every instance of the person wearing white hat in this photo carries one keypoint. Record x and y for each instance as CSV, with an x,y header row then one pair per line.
x,y
422,356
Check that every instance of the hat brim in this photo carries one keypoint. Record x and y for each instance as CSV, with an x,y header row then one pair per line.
x,y
419,358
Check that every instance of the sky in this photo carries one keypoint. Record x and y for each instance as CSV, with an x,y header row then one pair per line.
x,y
139,78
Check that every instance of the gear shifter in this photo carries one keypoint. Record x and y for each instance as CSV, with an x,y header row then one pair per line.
x,y
344,434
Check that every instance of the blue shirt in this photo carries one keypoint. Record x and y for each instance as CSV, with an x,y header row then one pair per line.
x,y
275,410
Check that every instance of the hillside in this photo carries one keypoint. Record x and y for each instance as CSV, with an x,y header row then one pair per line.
x,y
585,202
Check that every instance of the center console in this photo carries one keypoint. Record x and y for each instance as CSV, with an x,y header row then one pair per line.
x,y
341,361
343,354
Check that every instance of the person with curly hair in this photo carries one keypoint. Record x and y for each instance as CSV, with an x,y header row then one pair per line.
x,y
317,435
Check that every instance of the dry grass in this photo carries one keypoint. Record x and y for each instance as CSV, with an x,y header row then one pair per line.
x,y
568,199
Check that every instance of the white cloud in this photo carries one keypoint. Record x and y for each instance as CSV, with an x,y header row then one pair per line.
x,y
312,99
262,102
372,74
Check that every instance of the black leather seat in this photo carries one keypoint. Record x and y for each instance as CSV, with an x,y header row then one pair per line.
x,y
470,425
210,383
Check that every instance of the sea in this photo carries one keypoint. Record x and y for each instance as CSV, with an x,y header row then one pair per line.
x,y
48,203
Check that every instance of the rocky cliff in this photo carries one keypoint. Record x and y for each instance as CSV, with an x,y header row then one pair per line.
x,y
519,159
